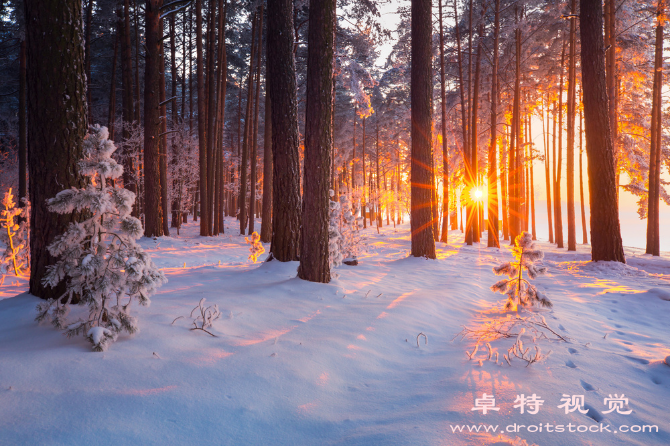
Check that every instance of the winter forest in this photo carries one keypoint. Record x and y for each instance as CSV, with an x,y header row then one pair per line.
x,y
307,222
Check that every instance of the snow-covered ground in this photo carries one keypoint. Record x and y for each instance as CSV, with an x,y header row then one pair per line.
x,y
302,363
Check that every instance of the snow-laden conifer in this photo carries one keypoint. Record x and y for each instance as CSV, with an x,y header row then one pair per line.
x,y
519,291
14,235
352,243
98,258
335,241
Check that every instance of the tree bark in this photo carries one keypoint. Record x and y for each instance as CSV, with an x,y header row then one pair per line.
x,y
572,90
423,244
248,129
202,123
87,59
314,255
23,143
111,111
285,140
605,229
127,112
547,174
653,199
445,150
57,113
585,239
493,231
266,223
162,147
152,122
254,139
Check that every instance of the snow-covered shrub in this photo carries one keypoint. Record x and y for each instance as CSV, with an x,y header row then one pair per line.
x,y
14,235
335,256
533,328
102,265
255,246
352,241
520,292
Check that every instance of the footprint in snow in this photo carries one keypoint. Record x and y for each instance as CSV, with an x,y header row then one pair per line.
x,y
613,310
638,360
586,386
573,350
656,380
560,327
619,326
593,413
570,364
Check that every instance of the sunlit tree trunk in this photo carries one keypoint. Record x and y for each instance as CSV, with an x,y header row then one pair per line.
x,y
57,117
547,175
202,123
162,141
286,215
605,229
493,233
266,223
558,212
423,244
152,123
572,80
653,200
585,239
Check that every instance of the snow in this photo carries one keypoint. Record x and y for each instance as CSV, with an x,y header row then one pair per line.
x,y
295,362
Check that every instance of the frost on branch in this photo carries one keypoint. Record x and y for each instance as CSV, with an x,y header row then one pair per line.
x,y
14,236
102,265
519,291
256,247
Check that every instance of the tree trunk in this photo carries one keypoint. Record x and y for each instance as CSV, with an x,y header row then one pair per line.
x,y
152,122
605,229
547,174
572,80
514,189
87,59
127,112
493,232
266,222
314,258
423,244
585,239
23,144
445,150
248,128
558,210
111,111
285,139
474,160
211,112
163,138
202,123
57,113
137,62
254,139
653,200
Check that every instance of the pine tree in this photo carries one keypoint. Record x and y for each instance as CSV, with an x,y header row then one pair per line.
x,y
14,235
520,292
98,258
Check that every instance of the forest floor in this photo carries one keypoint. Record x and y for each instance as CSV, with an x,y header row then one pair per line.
x,y
295,362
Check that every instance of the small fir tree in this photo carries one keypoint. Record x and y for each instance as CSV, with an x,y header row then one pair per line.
x,y
335,256
352,241
520,292
14,236
98,258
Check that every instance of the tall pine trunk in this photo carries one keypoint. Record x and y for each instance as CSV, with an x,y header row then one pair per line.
x,y
653,200
153,226
606,241
572,80
266,222
423,244
285,140
57,113
202,123
314,255
493,232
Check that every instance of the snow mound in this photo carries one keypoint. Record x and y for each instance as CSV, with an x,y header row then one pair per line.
x,y
660,293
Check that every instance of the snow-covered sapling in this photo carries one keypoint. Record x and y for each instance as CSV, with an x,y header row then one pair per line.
x,y
256,247
352,243
98,258
335,241
13,235
520,292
